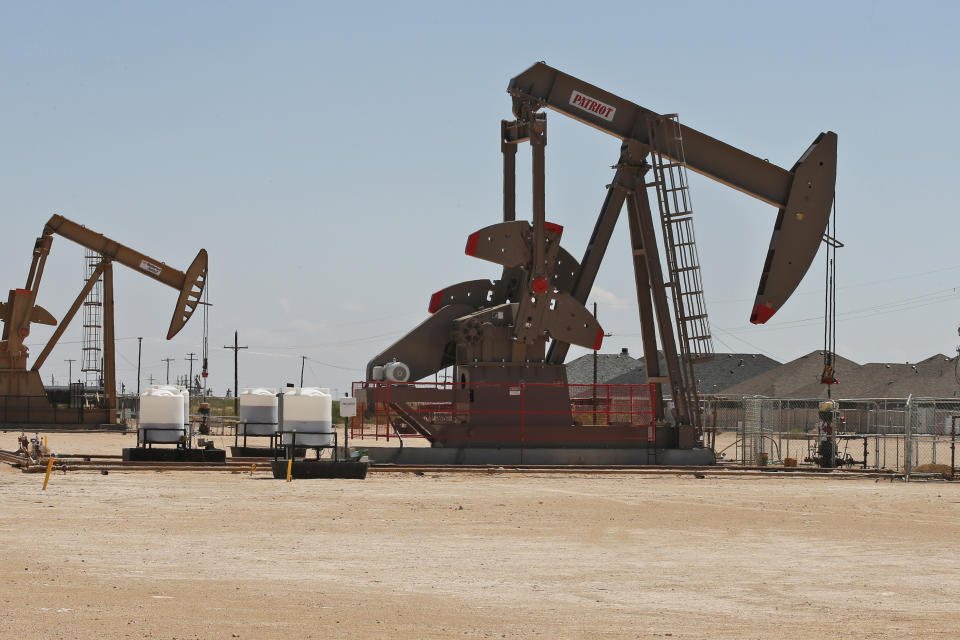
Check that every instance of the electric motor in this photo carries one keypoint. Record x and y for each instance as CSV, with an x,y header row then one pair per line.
x,y
396,372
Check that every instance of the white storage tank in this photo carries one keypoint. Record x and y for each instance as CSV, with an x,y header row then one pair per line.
x,y
161,418
183,393
309,412
258,412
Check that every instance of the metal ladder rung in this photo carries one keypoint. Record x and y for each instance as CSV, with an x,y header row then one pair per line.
x,y
682,269
696,317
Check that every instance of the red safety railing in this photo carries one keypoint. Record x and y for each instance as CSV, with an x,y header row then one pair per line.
x,y
519,412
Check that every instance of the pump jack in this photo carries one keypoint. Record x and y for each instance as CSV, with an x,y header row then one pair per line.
x,y
497,331
21,389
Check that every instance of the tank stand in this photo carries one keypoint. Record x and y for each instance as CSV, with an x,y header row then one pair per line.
x,y
333,467
181,452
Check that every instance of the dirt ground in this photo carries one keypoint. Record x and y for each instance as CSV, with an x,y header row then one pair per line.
x,y
221,555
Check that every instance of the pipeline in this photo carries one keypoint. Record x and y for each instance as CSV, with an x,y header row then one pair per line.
x,y
242,465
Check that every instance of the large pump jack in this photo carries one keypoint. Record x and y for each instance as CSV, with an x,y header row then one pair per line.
x,y
21,390
497,332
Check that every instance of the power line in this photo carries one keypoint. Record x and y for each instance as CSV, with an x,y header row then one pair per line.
x,y
749,344
851,286
906,304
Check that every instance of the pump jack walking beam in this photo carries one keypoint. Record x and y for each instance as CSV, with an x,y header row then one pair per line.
x,y
803,195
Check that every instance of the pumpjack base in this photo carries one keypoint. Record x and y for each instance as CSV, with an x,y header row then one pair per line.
x,y
158,454
348,469
697,457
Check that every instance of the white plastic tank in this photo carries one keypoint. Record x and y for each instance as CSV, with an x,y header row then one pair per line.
x,y
258,412
183,393
161,418
308,411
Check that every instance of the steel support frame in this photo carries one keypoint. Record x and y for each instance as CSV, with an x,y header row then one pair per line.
x,y
652,299
627,186
109,344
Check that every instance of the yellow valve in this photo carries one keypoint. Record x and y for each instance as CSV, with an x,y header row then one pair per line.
x,y
46,479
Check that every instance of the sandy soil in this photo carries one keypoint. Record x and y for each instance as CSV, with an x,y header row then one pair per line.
x,y
221,555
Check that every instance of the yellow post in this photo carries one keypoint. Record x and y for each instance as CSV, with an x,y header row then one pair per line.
x,y
253,468
49,469
45,450
289,469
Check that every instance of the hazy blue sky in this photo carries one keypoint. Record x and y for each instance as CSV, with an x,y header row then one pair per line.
x,y
333,158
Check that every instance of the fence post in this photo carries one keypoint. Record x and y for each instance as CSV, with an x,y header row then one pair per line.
x,y
953,446
908,437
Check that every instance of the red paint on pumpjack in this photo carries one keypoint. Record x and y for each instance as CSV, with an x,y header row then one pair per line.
x,y
472,241
540,285
761,313
436,301
552,226
598,340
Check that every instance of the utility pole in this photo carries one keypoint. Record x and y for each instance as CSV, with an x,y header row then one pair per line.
x,y
139,352
168,361
236,349
70,375
190,357
303,361
151,379
595,358
595,351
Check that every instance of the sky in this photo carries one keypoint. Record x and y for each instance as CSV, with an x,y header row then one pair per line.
x,y
333,158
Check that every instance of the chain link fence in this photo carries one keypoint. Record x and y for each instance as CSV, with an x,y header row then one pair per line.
x,y
908,435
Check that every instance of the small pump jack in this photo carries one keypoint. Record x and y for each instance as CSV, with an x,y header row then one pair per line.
x,y
21,391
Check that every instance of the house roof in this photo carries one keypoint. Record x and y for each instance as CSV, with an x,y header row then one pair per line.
x,y
751,374
609,365
783,381
934,377
713,376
